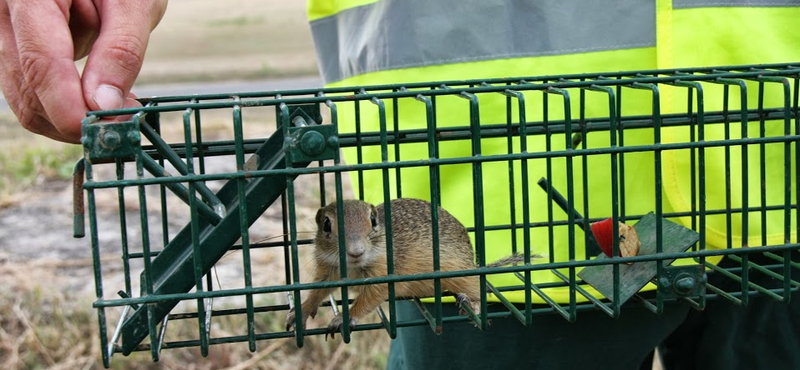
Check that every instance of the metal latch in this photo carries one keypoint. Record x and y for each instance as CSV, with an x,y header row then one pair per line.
x,y
111,140
310,140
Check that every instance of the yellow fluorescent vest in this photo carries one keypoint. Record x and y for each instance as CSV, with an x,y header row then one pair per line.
x,y
363,42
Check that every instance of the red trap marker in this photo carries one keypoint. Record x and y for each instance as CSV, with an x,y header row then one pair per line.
x,y
628,239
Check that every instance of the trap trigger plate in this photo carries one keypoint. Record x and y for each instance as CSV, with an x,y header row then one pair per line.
x,y
675,239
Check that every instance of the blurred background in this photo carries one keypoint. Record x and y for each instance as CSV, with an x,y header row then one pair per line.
x,y
47,322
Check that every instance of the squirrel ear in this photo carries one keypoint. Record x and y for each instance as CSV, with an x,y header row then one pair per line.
x,y
320,216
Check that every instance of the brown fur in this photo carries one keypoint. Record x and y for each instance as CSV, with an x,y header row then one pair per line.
x,y
413,254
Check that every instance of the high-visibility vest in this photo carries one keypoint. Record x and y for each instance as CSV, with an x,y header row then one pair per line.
x,y
367,42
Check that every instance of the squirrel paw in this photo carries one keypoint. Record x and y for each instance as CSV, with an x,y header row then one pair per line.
x,y
336,325
463,300
290,317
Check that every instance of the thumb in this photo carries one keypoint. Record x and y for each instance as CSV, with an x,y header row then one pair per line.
x,y
117,55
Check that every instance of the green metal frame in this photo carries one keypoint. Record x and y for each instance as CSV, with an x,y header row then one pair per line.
x,y
176,271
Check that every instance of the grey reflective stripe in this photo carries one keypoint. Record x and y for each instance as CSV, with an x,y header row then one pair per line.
x,y
683,4
392,34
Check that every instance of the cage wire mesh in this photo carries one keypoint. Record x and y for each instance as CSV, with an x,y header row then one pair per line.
x,y
201,208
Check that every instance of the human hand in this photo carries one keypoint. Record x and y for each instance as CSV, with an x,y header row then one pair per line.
x,y
40,40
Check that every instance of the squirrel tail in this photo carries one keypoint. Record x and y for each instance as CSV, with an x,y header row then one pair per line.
x,y
513,259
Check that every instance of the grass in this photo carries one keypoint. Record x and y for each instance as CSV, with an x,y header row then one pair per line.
x,y
41,327
44,327
30,164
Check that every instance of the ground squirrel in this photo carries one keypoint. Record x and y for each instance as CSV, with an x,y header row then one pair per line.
x,y
412,247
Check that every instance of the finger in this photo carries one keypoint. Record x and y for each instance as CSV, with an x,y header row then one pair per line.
x,y
20,98
10,76
84,25
48,73
130,102
117,55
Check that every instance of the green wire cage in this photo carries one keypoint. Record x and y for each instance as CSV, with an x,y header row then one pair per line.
x,y
178,188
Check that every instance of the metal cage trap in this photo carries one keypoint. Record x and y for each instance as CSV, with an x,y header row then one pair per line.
x,y
703,162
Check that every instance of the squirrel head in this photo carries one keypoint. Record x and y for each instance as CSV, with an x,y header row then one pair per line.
x,y
362,228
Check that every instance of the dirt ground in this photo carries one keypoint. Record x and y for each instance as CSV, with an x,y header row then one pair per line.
x,y
201,40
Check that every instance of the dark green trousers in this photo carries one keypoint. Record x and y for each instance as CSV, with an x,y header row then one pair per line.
x,y
763,335
595,341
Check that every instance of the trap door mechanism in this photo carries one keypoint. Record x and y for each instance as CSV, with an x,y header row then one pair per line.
x,y
172,270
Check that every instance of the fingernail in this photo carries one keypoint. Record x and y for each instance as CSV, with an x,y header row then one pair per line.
x,y
108,97
129,103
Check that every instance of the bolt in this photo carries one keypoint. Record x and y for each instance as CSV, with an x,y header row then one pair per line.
x,y
333,142
684,284
299,121
134,137
111,140
312,143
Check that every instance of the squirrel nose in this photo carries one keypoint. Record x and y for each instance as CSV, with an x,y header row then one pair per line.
x,y
355,254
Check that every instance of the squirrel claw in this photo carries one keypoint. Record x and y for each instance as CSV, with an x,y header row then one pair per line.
x,y
336,325
291,315
290,320
462,300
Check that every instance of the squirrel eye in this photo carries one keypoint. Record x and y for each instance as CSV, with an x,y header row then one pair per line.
x,y
326,225
373,220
